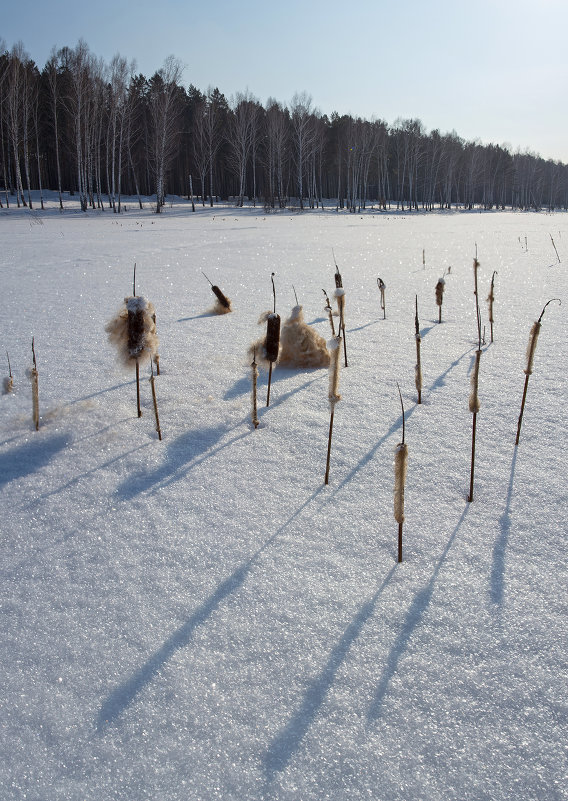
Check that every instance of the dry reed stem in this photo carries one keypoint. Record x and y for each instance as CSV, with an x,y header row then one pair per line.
x,y
254,376
155,402
329,312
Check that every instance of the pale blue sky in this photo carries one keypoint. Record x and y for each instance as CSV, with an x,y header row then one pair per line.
x,y
496,70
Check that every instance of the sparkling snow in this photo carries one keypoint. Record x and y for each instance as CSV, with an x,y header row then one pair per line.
x,y
201,618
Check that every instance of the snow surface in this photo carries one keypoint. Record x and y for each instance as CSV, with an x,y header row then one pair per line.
x,y
201,618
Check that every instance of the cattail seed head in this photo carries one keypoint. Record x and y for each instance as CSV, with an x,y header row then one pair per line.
x,y
8,385
440,286
400,468
223,303
272,337
474,402
335,353
133,331
531,347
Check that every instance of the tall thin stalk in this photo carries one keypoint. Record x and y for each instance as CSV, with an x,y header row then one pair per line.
x,y
474,402
35,389
531,348
400,468
382,286
155,401
333,395
418,368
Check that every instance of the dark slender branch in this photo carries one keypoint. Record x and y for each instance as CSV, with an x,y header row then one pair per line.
x,y
546,304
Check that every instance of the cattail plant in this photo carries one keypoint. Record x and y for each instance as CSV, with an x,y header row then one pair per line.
x,y
418,368
155,400
223,303
531,348
272,339
423,258
340,297
439,291
400,467
8,385
133,332
490,301
300,344
33,373
333,394
254,376
554,246
382,286
474,402
329,311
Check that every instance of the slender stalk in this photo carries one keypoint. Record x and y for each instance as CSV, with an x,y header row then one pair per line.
x,y
554,246
155,401
138,388
418,369
329,312
470,496
255,420
329,446
533,338
400,467
35,390
134,282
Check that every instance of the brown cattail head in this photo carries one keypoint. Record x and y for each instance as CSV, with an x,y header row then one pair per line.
x,y
272,337
474,402
440,286
334,352
491,297
400,468
8,385
531,347
301,345
223,303
338,278
133,331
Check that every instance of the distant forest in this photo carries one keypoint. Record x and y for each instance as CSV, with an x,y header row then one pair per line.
x,y
101,132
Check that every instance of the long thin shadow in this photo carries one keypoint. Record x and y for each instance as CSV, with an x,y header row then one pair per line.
x,y
370,453
425,331
361,327
123,695
243,385
412,620
288,740
76,479
441,380
183,454
500,547
196,317
23,460
102,392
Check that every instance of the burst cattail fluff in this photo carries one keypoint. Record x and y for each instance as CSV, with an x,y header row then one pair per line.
x,y
8,385
133,331
531,347
301,345
440,286
335,353
340,297
400,466
474,403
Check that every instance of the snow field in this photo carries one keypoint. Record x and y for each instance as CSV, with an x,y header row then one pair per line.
x,y
201,618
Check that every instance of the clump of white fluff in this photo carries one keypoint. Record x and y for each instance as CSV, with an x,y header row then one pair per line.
x,y
301,345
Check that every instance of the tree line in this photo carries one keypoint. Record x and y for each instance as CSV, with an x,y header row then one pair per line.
x,y
102,131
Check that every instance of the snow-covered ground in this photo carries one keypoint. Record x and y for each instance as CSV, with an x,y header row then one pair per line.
x,y
201,617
